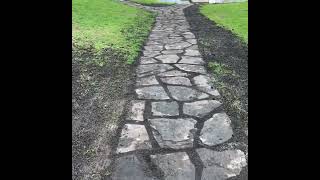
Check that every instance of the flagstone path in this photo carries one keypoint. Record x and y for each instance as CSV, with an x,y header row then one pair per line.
x,y
176,128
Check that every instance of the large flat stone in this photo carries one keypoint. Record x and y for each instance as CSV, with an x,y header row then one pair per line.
x,y
221,165
147,60
177,81
189,35
136,110
150,69
191,68
193,47
172,40
152,92
172,73
133,137
175,166
131,168
216,130
192,41
151,53
204,84
200,108
145,81
173,133
165,108
174,35
157,35
186,94
191,60
190,52
172,51
171,58
180,45
153,47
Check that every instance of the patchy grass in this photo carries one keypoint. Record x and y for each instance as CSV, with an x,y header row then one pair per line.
x,y
232,16
151,2
229,89
221,69
103,24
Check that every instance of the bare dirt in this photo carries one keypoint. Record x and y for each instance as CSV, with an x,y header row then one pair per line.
x,y
99,96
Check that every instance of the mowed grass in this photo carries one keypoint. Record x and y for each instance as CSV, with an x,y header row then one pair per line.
x,y
151,2
232,16
101,24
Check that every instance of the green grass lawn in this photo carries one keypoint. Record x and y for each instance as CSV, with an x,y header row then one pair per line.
x,y
151,2
109,24
232,16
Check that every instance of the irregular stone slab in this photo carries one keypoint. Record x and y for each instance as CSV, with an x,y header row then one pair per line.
x,y
174,35
191,60
156,35
152,92
169,29
172,40
200,108
216,130
131,167
172,73
177,81
183,28
152,68
192,41
165,108
189,36
152,43
221,165
151,53
172,51
173,133
193,47
203,83
168,58
133,137
191,68
175,166
147,60
151,80
190,52
185,94
136,110
153,47
187,33
181,45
